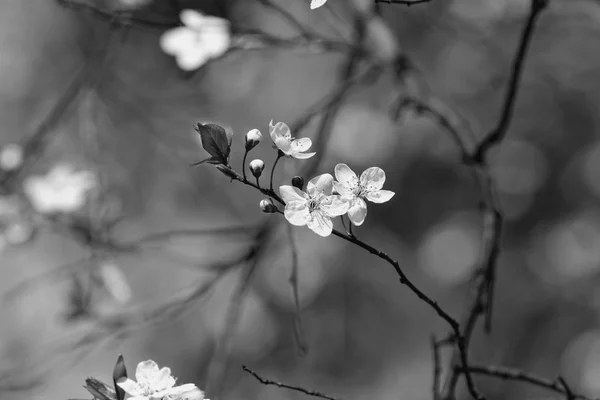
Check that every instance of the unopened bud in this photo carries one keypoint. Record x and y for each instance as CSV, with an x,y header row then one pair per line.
x,y
253,138
298,182
257,167
267,206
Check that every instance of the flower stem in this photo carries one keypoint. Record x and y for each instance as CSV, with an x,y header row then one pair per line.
x,y
244,164
344,224
257,182
279,155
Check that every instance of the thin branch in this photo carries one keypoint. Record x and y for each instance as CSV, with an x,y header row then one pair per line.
x,y
498,133
267,382
511,374
293,280
493,220
437,368
219,362
116,17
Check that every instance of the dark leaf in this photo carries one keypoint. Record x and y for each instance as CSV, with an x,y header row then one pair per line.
x,y
100,390
119,372
216,141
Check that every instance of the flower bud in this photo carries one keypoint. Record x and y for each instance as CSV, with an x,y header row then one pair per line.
x,y
253,138
257,167
298,182
267,206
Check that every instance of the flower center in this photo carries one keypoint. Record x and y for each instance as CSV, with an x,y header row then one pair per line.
x,y
359,190
313,204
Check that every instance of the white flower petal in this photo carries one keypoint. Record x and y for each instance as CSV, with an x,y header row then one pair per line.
x,y
188,387
343,190
380,196
163,379
320,185
178,40
302,156
317,3
216,42
140,397
291,193
284,145
334,206
372,178
358,211
296,212
131,387
320,224
146,370
192,60
278,130
346,176
301,145
192,18
190,394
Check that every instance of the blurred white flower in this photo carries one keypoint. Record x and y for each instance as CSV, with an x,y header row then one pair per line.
x,y
61,190
154,383
317,3
11,157
356,191
199,40
316,207
282,137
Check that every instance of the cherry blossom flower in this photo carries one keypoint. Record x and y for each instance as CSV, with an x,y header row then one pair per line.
x,y
199,40
317,3
154,383
315,207
282,137
356,191
61,190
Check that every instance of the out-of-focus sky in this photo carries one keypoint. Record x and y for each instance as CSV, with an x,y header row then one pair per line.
x,y
367,335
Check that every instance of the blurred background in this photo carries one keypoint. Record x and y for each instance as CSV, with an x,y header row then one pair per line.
x,y
69,307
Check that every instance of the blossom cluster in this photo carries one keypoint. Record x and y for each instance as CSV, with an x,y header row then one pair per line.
x,y
153,383
325,197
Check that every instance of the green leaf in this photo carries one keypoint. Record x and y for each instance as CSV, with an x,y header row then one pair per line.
x,y
216,140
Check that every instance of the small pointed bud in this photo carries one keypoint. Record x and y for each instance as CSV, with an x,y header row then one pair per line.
x,y
267,206
119,372
257,167
253,138
227,171
298,182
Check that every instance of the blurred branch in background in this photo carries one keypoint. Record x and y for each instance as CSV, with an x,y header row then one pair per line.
x,y
307,392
